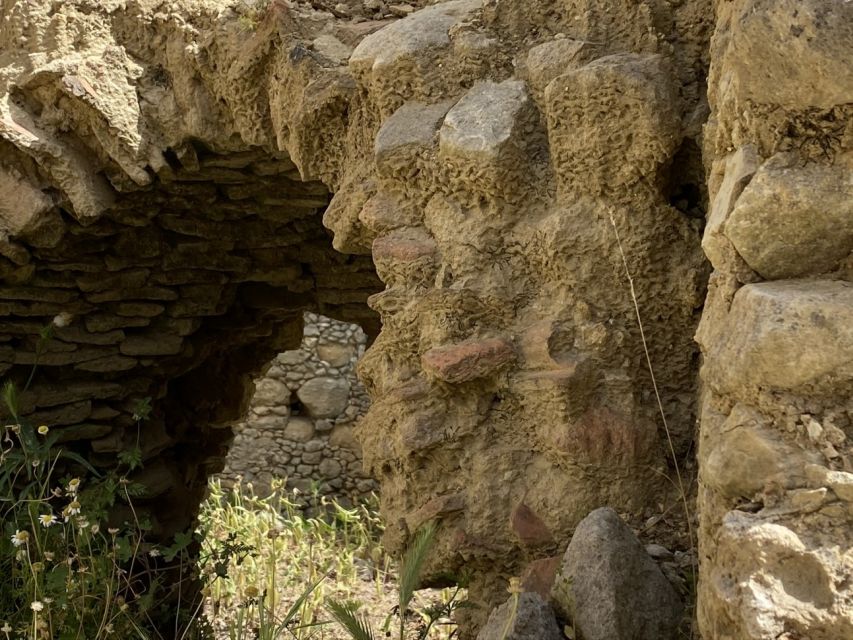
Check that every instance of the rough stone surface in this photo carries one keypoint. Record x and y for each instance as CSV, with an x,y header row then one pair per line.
x,y
781,230
776,413
610,588
530,618
324,397
785,335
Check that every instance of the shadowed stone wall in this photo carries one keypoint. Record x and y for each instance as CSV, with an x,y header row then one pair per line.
x,y
301,418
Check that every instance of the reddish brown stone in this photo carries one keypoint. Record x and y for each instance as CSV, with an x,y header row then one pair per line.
x,y
399,249
467,360
382,213
529,528
539,576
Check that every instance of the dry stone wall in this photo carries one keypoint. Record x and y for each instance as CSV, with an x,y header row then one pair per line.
x,y
776,446
301,419
527,180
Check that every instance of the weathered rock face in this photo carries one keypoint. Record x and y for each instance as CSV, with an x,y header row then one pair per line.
x,y
775,450
516,171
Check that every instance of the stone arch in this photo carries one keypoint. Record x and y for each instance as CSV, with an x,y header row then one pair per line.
x,y
162,233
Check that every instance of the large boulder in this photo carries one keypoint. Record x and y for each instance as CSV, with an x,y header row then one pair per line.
x,y
793,220
609,586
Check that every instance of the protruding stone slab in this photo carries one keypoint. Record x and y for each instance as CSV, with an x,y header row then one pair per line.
x,y
419,35
739,169
383,213
483,122
549,60
467,360
405,256
485,135
409,132
794,220
784,335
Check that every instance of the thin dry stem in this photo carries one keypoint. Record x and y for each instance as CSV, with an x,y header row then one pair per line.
x,y
677,467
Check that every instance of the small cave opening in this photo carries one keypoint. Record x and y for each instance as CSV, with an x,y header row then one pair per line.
x,y
687,190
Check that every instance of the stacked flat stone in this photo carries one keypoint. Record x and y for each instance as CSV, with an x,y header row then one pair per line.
x,y
300,422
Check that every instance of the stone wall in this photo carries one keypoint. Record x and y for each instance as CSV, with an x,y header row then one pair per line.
x,y
776,447
301,418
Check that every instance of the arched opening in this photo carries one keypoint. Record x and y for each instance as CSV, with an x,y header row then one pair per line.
x,y
180,292
134,337
300,422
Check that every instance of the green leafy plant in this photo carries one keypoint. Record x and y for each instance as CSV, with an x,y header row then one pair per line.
x,y
265,550
358,626
67,568
72,569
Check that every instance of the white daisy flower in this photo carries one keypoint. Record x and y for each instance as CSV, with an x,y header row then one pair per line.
x,y
72,509
63,319
35,605
20,538
47,520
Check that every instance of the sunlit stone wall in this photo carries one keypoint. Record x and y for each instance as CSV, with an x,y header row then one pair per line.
x,y
299,425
